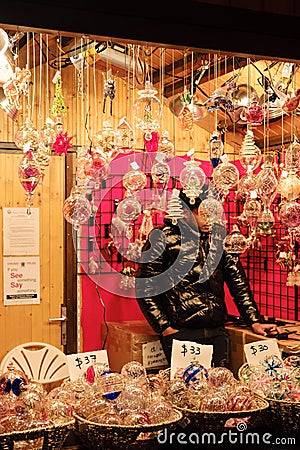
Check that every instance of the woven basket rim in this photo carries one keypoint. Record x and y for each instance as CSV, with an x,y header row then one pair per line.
x,y
247,412
142,428
42,431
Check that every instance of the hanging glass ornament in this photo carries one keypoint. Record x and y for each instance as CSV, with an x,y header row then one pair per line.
x,y
27,134
225,175
166,146
254,114
267,181
215,148
289,214
186,117
128,211
96,169
192,179
105,142
218,99
266,222
62,143
252,210
197,109
160,172
58,105
291,103
250,154
213,208
13,381
47,137
292,155
77,208
147,109
235,243
289,185
247,187
125,139
151,141
134,180
174,208
29,175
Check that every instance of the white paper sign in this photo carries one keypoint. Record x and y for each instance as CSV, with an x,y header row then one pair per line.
x,y
184,352
21,280
79,362
21,234
153,355
258,351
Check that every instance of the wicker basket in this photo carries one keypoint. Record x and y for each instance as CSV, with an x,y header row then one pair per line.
x,y
50,438
99,436
284,415
216,420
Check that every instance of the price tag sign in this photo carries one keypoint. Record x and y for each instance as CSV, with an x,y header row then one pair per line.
x,y
153,355
79,362
184,352
258,351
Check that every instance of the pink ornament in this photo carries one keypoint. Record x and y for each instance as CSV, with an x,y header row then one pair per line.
x,y
151,141
30,175
62,143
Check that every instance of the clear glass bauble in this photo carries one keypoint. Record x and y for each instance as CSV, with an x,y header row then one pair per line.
x,y
247,186
254,114
215,148
125,136
134,372
249,155
105,142
267,182
235,243
47,134
252,210
128,210
185,119
76,208
192,179
13,381
292,155
134,180
160,173
289,185
213,208
266,222
96,170
225,176
27,134
289,214
166,147
147,109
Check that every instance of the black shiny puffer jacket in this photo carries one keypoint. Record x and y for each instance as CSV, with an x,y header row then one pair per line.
x,y
181,276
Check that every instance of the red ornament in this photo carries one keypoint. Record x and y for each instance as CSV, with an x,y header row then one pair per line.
x,y
62,143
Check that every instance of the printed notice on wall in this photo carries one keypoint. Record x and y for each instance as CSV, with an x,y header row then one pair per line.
x,y
21,235
21,280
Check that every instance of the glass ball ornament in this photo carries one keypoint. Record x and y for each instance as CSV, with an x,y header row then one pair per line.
x,y
213,208
111,385
105,142
225,175
220,376
30,174
166,147
254,114
247,187
267,181
289,185
160,173
194,372
128,210
96,169
28,135
137,418
241,402
110,418
214,400
192,179
76,208
175,391
266,222
13,381
235,243
160,410
147,110
134,372
215,148
252,210
125,138
292,155
132,398
289,214
47,134
249,155
134,180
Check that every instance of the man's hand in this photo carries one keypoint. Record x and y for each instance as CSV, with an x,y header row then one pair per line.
x,y
169,330
264,328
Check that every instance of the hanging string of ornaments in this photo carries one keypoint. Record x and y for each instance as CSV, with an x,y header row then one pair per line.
x,y
256,189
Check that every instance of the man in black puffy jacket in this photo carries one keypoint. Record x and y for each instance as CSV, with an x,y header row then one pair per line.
x,y
180,283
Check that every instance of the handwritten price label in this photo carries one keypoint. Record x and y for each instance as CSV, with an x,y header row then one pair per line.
x,y
79,362
258,351
184,352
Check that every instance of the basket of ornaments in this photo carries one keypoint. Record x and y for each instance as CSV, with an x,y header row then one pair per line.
x,y
278,381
